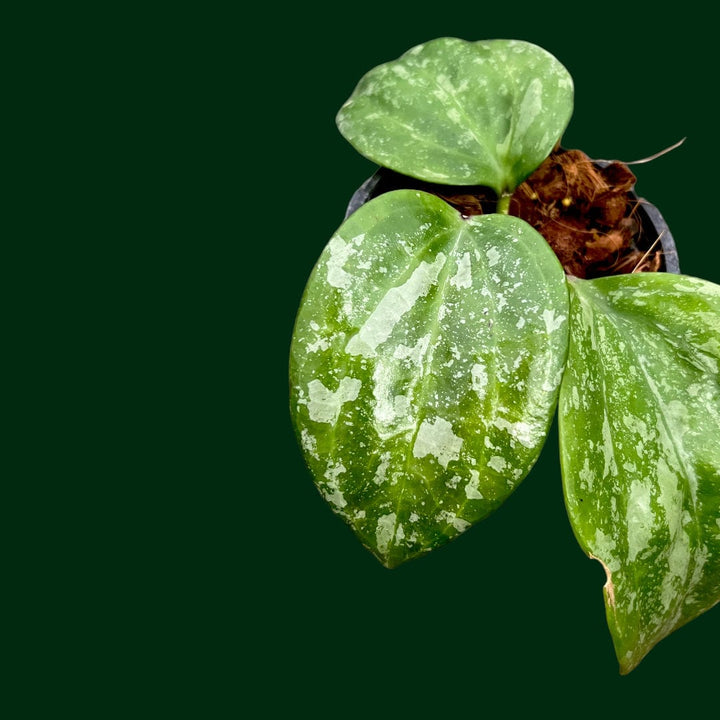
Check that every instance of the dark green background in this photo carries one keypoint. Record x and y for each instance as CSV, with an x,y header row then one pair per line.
x,y
511,614
179,558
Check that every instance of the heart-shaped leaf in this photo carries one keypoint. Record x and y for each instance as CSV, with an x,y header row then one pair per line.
x,y
640,447
425,365
465,113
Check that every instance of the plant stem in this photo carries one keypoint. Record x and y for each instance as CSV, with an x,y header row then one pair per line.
x,y
503,204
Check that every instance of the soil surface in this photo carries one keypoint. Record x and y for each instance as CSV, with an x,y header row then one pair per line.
x,y
586,210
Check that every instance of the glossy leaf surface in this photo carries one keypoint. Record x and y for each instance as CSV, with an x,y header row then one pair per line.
x,y
458,112
425,365
640,446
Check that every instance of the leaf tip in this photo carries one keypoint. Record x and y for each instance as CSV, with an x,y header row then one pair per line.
x,y
629,662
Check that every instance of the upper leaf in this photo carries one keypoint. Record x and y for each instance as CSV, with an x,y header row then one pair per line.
x,y
461,113
640,448
425,365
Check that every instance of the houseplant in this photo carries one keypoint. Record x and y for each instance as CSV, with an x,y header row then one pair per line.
x,y
434,343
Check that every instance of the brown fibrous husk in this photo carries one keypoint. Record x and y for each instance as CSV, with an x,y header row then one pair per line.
x,y
586,211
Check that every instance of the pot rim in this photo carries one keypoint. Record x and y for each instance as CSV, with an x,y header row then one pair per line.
x,y
652,220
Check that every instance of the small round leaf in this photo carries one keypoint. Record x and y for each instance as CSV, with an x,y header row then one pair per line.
x,y
461,113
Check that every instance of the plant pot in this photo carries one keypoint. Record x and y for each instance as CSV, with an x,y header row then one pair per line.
x,y
652,222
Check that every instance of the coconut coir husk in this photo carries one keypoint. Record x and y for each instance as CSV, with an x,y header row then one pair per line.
x,y
584,210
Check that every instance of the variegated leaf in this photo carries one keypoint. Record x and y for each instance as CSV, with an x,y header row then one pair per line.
x,y
465,113
640,447
425,364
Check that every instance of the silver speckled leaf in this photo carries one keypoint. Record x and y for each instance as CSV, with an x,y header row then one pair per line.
x,y
640,446
425,366
458,112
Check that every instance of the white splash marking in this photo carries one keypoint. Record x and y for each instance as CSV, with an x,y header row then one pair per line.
x,y
710,319
604,548
392,413
479,377
673,415
455,116
608,449
324,405
587,476
437,439
381,472
413,354
712,346
332,491
694,389
463,279
414,517
396,303
700,557
497,463
679,558
678,568
446,84
333,472
636,425
401,71
309,443
551,383
493,256
521,431
575,401
384,531
401,406
340,252
640,519
471,489
552,323
530,107
453,481
452,519
669,498
319,344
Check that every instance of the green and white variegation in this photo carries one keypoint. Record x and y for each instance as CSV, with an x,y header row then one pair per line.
x,y
457,112
640,446
425,365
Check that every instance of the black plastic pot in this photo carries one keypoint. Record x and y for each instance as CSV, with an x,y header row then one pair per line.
x,y
653,223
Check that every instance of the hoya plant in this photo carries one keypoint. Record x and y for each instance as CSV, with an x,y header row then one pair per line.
x,y
433,347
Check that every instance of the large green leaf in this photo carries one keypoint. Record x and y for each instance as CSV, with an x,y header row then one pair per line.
x,y
425,366
640,447
465,113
